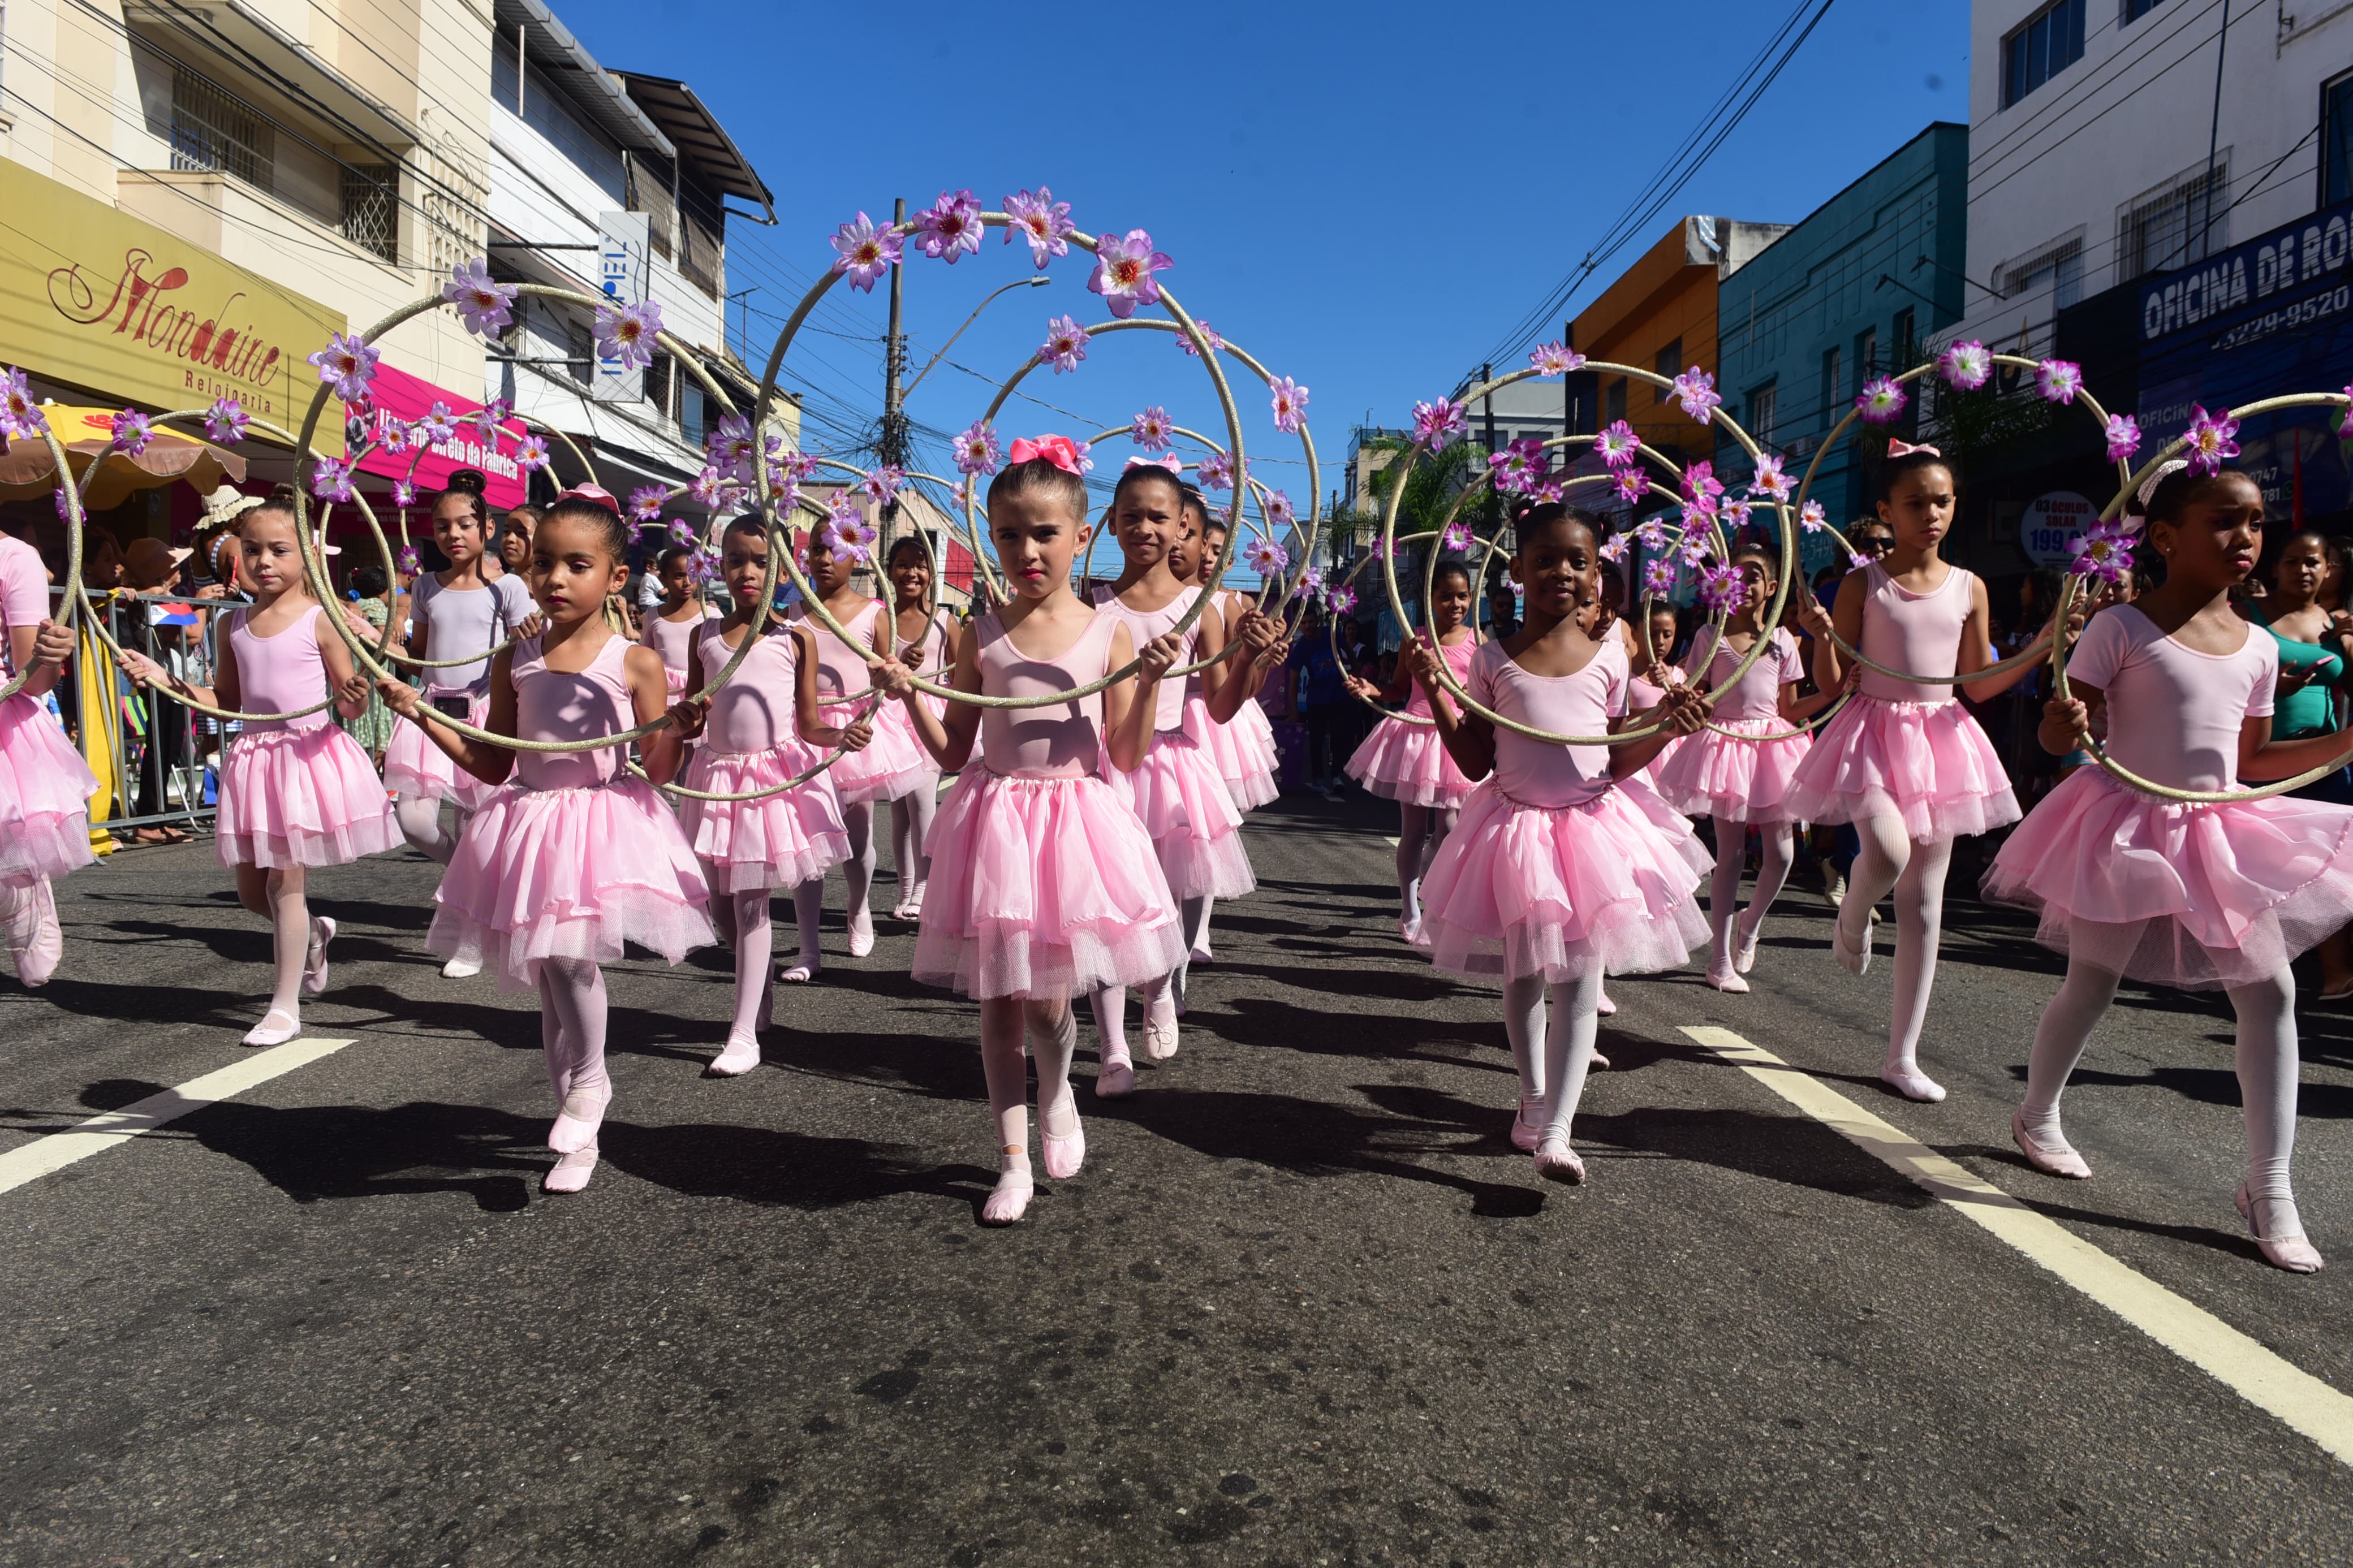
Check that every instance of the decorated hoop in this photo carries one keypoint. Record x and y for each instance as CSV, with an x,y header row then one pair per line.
x,y
24,417
1490,552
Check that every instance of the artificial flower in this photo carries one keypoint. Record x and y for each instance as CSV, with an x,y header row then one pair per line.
x,y
1086,452
486,307
226,420
1632,483
19,415
2209,440
1208,335
881,484
646,503
1279,510
1770,479
1124,272
330,480
437,427
1456,538
1880,401
2123,432
950,226
1813,518
1659,579
1966,365
491,417
1341,601
409,563
1265,557
865,253
1619,446
2102,550
1216,472
1555,358
1520,467
978,450
132,431
1615,547
348,364
1700,485
1721,590
1152,429
627,334
531,453
1065,345
1290,405
1435,424
404,494
2059,380
851,535
1695,390
1041,220
1309,583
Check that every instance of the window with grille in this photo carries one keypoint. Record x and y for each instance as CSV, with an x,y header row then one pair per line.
x,y
580,352
371,208
1907,342
2174,228
1833,394
649,195
657,376
2051,41
2136,9
699,256
2337,141
1866,356
2059,269
1763,405
214,133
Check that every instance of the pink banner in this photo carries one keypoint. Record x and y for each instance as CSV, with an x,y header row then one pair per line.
x,y
399,395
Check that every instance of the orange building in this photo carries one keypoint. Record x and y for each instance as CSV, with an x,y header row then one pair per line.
x,y
1660,314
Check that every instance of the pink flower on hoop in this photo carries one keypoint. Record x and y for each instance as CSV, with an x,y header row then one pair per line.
x,y
2059,380
1770,479
1700,485
978,450
19,414
1555,358
1966,365
1124,272
880,485
2209,440
1341,601
486,307
865,253
1880,401
408,561
1279,510
226,420
950,226
331,481
1265,557
531,454
1721,589
1041,220
132,433
1152,429
1614,548
1216,472
2123,432
1456,540
404,494
1632,483
437,427
1520,467
1290,405
852,535
2103,551
1659,578
347,363
1208,335
1435,424
1619,446
1695,390
646,503
1065,345
626,334
1813,519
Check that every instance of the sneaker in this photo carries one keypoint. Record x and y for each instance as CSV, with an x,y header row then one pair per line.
x,y
1833,886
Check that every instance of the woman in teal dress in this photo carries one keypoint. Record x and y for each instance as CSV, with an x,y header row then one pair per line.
x,y
2314,643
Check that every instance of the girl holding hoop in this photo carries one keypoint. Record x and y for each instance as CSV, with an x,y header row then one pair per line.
x,y
1738,773
674,626
1410,762
1558,872
294,793
1244,746
1902,760
569,855
927,645
2200,895
45,786
1044,884
759,729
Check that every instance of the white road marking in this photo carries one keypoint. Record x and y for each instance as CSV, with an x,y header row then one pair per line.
x,y
2246,1367
1391,840
31,1162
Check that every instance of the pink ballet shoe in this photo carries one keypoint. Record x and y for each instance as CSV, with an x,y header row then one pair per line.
x,y
1560,1165
1159,1040
267,1034
1115,1076
805,972
2052,1159
1527,1134
315,962
1743,947
45,944
1912,1084
1852,957
1065,1152
1599,1063
1010,1201
1603,1007
906,910
2287,1250
861,933
1726,978
571,1174
1410,932
577,1124
740,1056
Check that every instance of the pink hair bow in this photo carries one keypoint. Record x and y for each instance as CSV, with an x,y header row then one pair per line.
x,y
1904,449
1168,461
1055,449
596,494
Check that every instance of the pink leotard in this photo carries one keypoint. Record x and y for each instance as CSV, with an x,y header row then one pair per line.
x,y
2182,710
752,712
552,705
1142,626
841,671
1458,657
1062,741
23,594
1758,694
461,622
1537,772
1919,632
671,640
279,673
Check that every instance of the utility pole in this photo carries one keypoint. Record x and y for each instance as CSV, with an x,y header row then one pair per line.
x,y
1493,507
892,445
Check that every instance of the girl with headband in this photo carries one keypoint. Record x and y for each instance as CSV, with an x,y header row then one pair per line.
x,y
1564,867
1902,760
570,857
45,786
2200,895
294,793
927,645
1044,884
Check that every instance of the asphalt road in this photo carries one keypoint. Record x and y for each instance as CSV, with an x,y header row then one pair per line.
x,y
1305,1305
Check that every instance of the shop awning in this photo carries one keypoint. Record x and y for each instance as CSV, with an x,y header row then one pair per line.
x,y
27,473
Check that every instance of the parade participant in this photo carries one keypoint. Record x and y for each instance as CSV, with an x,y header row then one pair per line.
x,y
1738,773
927,645
45,786
759,729
1559,870
1177,790
294,793
890,766
2200,896
568,857
1903,761
1044,884
1408,762
459,613
514,541
675,625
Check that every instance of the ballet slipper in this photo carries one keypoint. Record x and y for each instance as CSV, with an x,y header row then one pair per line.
x,y
262,1034
2287,1250
1010,1200
1598,1063
1527,1134
861,933
576,1124
805,972
1115,1076
1912,1084
2050,1152
1560,1165
1726,978
740,1056
1159,1040
35,939
461,969
1602,1006
570,1173
1065,1152
1744,948
1410,932
315,962
1852,957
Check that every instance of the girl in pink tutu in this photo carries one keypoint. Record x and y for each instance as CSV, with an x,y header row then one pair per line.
x,y
1044,884
2203,896
45,788
1563,866
675,626
1243,746
1738,773
1177,791
893,765
1902,760
758,730
927,645
460,612
1408,763
294,793
569,856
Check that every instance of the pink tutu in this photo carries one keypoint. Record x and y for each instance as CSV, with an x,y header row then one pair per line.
x,y
1708,774
2198,897
1243,752
1409,764
302,796
1925,762
416,769
569,873
778,841
895,714
1521,891
893,763
1186,809
1041,888
45,792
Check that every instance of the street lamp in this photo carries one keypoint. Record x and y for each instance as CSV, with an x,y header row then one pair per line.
x,y
1038,282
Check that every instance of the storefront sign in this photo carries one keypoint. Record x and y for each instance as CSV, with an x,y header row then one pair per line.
x,y
398,395
623,273
2050,522
94,297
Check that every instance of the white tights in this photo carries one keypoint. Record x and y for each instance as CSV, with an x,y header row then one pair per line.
x,y
858,871
2267,1064
572,1028
1916,873
808,919
1558,1077
420,816
1724,891
911,824
277,894
756,941
1420,830
1109,1005
1003,1020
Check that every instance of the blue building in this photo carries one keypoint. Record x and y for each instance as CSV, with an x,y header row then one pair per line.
x,y
1852,292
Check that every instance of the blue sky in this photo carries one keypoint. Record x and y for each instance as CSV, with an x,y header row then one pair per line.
x,y
1365,197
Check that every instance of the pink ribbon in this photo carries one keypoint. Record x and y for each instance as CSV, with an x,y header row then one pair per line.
x,y
1168,461
1055,449
1904,449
